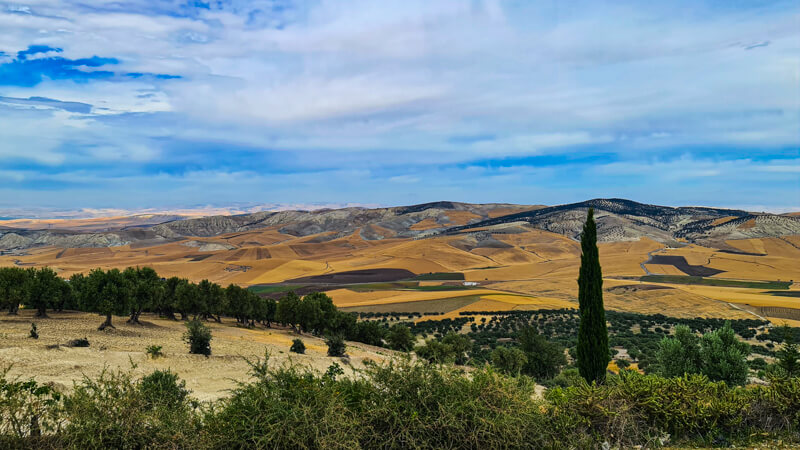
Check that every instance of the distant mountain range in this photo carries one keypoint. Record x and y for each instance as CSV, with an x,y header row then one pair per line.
x,y
618,220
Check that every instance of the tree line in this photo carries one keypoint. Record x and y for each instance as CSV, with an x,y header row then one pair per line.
x,y
135,290
128,293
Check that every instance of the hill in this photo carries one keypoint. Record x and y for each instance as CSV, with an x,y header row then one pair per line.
x,y
618,220
511,257
626,220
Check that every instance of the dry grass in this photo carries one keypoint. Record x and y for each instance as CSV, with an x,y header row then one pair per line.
x,y
117,348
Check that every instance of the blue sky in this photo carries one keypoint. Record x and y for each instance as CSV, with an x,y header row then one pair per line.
x,y
148,103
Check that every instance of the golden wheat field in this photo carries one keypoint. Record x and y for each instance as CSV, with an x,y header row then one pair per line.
x,y
530,269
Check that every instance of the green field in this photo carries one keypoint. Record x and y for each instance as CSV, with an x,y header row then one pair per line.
x,y
795,294
439,276
442,305
271,289
401,285
685,279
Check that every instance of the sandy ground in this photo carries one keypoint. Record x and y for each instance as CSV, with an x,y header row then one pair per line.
x,y
119,348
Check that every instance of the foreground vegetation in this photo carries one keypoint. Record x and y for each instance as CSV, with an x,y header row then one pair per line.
x,y
401,404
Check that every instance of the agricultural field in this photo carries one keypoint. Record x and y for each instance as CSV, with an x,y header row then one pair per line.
x,y
509,267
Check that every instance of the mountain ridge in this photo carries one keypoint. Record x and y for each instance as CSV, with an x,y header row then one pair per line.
x,y
618,220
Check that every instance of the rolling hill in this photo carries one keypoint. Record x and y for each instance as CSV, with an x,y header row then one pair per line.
x,y
618,220
704,261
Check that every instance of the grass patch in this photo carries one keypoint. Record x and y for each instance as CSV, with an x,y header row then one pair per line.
x,y
368,287
681,279
271,289
442,305
403,285
442,288
439,276
795,294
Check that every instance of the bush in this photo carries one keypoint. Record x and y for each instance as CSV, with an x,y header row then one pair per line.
x,y
509,360
154,351
399,404
640,409
334,370
718,354
34,333
198,336
567,377
400,338
27,410
544,359
451,349
80,342
163,387
116,411
298,346
336,345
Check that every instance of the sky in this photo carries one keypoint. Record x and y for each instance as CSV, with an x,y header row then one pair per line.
x,y
146,103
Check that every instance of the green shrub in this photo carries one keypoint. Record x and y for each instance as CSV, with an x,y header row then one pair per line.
x,y
451,349
288,407
154,351
400,338
163,387
640,409
567,377
509,360
336,345
399,404
334,370
544,359
116,411
718,354
198,336
27,411
298,346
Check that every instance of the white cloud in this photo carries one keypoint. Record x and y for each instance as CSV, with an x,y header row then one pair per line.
x,y
383,84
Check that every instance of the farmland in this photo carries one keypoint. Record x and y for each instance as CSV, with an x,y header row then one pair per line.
x,y
484,284
529,266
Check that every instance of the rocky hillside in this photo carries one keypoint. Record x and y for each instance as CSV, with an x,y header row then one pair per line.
x,y
625,220
378,223
618,220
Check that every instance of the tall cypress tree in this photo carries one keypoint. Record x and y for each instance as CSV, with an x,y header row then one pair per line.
x,y
593,352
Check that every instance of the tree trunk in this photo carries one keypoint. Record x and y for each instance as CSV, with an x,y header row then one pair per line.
x,y
184,316
170,315
13,310
42,312
218,319
134,318
35,429
106,324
